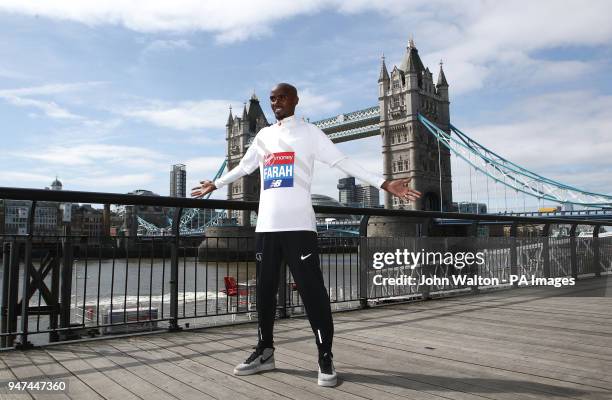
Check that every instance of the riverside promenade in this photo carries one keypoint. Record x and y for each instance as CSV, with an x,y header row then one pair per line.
x,y
527,343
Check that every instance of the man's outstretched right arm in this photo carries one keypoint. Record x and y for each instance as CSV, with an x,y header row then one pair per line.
x,y
247,164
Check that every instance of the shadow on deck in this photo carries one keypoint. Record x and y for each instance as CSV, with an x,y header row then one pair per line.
x,y
530,343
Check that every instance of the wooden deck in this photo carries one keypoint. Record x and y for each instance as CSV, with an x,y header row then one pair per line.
x,y
514,344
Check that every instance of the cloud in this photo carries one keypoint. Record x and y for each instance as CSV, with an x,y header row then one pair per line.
x,y
230,21
166,45
93,166
111,182
312,103
498,43
49,89
17,178
93,154
482,43
186,115
22,97
12,74
50,108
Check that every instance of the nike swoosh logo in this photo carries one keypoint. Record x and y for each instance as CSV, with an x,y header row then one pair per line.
x,y
306,256
264,360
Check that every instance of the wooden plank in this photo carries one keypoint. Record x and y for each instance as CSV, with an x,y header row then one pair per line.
x,y
488,354
586,313
463,308
212,367
76,388
467,332
411,316
147,372
582,343
6,376
93,378
581,366
480,380
181,368
520,382
124,377
568,324
25,371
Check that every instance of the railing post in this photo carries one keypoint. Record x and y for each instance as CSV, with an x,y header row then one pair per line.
x,y
546,251
363,261
13,293
55,293
513,252
473,235
25,289
174,272
66,282
596,255
6,269
573,255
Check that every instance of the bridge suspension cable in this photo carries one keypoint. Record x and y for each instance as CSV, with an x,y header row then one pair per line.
x,y
510,175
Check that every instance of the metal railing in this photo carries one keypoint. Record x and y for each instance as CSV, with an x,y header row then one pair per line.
x,y
67,287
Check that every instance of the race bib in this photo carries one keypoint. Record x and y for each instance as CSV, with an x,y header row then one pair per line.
x,y
278,170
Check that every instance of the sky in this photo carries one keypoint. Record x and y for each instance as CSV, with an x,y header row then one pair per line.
x,y
108,95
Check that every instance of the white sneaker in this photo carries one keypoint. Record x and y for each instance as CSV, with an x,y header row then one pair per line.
x,y
327,372
262,359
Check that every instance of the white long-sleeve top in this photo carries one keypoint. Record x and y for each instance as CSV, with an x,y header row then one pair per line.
x,y
285,154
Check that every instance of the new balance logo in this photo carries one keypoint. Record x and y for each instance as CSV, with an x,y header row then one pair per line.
x,y
276,183
306,256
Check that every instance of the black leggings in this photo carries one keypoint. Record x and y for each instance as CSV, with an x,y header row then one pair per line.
x,y
300,250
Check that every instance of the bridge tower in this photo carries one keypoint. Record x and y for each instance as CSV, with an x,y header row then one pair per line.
x,y
409,151
240,132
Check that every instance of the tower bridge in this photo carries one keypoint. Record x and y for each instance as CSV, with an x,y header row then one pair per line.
x,y
412,118
408,150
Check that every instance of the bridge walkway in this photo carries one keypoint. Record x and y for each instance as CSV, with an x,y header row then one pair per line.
x,y
527,343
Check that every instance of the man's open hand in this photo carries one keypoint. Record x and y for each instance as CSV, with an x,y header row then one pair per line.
x,y
401,189
204,188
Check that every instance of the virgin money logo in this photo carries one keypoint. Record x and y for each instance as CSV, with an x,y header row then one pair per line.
x,y
286,157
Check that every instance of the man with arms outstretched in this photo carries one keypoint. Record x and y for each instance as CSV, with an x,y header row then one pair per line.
x,y
286,227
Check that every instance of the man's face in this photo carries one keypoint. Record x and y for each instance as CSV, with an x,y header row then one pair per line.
x,y
283,101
